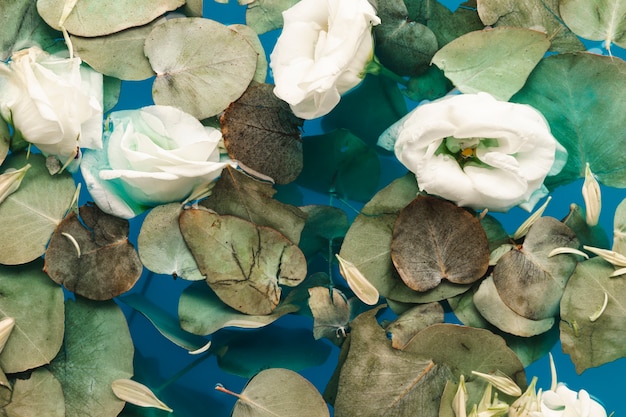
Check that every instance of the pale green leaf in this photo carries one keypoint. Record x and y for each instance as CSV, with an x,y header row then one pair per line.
x,y
39,395
36,304
22,27
266,15
193,8
619,228
5,140
497,61
111,88
253,39
201,65
412,321
330,315
596,20
31,214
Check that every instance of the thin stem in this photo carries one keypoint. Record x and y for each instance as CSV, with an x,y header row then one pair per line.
x,y
376,68
182,372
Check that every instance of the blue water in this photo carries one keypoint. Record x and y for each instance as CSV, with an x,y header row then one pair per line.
x,y
194,392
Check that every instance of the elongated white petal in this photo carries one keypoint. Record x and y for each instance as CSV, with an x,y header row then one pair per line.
x,y
592,197
564,250
362,288
525,227
610,256
10,181
501,382
6,325
137,394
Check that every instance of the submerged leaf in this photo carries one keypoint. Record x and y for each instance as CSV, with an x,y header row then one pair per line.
x,y
324,229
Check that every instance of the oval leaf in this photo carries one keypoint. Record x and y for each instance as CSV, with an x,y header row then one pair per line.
x,y
596,20
446,243
330,315
202,66
39,395
266,15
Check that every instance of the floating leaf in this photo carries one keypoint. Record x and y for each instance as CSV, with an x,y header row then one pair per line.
x,y
596,20
497,61
446,243
587,235
161,246
619,229
202,66
239,195
593,343
165,323
111,89
412,321
330,315
6,390
247,353
253,39
97,350
39,395
30,215
266,15
94,18
261,132
5,140
137,394
279,392
201,312
541,15
193,8
91,255
244,263
579,96
341,164
36,304
378,380
325,227
529,281
448,25
118,55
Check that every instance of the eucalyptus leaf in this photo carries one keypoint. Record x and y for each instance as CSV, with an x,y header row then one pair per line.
x,y
596,20
325,227
330,315
448,25
5,140
593,343
619,229
111,90
36,304
39,395
30,215
497,61
161,246
280,392
377,380
496,234
119,54
253,39
97,350
587,235
201,65
193,8
94,18
240,195
201,312
412,321
266,15
6,390
528,280
90,255
244,263
541,15
579,96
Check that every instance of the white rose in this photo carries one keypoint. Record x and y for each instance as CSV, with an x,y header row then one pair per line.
x,y
54,102
322,53
477,151
563,402
151,156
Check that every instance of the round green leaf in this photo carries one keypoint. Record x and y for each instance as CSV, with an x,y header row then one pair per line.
x,y
497,61
22,27
280,392
619,229
412,321
243,263
596,20
36,304
5,140
97,350
324,229
330,315
31,214
580,96
266,15
202,66
111,88
96,18
253,39
39,395
161,246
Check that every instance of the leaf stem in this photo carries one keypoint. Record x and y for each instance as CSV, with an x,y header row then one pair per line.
x,y
376,68
182,372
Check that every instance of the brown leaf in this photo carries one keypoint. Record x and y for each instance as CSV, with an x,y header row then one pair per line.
x,y
435,240
91,255
261,131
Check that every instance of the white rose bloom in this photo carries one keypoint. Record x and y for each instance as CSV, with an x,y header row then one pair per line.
x,y
563,402
477,151
322,53
151,156
54,102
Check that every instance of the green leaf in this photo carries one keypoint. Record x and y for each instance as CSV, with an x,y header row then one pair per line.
x,y
202,66
201,312
341,164
497,61
94,18
119,54
33,211
5,140
97,350
593,343
619,229
245,264
161,246
280,393
596,20
579,94
410,322
266,15
541,15
587,235
112,87
253,39
39,395
324,229
330,315
36,304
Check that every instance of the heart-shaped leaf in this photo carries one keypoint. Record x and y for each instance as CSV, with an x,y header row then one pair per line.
x,y
447,243
94,18
529,281
36,304
596,20
330,315
39,395
91,256
34,210
202,66
261,132
244,263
